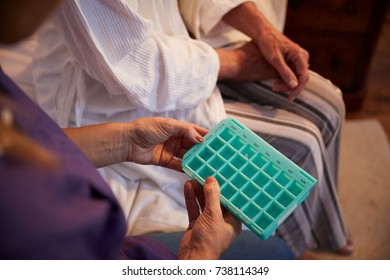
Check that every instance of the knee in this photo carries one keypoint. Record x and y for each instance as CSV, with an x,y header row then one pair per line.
x,y
328,91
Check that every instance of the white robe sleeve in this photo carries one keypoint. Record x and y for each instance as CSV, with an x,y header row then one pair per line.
x,y
203,16
123,50
212,11
203,19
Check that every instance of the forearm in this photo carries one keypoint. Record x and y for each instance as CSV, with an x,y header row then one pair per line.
x,y
244,64
288,58
102,144
229,62
249,20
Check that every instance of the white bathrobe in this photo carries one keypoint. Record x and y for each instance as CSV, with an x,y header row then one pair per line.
x,y
118,60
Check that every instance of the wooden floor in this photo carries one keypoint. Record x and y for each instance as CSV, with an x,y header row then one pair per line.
x,y
377,96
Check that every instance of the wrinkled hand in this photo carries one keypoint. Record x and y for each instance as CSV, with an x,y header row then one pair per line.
x,y
162,141
245,63
289,59
211,228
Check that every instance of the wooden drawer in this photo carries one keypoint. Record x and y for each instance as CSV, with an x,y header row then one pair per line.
x,y
340,36
335,15
339,58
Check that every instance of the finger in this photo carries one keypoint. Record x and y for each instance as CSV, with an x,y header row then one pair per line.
x,y
175,164
212,195
171,153
199,193
302,83
279,86
201,130
191,203
163,153
183,147
303,79
191,132
171,128
285,72
193,135
300,60
301,63
180,152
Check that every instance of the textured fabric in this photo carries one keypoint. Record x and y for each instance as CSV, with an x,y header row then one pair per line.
x,y
203,19
126,48
16,62
115,60
92,66
70,213
145,248
67,213
308,132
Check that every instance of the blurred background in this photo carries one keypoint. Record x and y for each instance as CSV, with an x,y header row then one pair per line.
x,y
349,43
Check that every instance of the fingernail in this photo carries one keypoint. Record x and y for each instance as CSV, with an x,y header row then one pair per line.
x,y
199,138
210,180
293,83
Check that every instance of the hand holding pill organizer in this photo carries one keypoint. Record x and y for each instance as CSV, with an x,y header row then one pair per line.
x,y
260,186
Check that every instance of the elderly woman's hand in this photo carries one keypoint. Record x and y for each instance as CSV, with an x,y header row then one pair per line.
x,y
245,63
161,141
158,141
211,228
289,59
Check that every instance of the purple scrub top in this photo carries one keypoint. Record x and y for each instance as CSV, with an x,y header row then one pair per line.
x,y
69,213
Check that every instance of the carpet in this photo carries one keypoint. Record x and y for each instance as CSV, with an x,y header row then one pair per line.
x,y
364,188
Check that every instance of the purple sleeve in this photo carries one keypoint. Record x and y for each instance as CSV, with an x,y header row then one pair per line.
x,y
146,248
69,213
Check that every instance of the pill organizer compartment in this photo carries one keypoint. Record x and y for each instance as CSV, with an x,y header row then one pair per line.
x,y
259,185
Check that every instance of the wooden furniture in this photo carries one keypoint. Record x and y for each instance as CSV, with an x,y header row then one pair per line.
x,y
340,36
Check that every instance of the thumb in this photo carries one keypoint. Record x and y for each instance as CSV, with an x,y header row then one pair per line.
x,y
212,195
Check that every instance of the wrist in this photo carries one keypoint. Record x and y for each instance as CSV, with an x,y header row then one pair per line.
x,y
103,144
116,143
229,61
127,140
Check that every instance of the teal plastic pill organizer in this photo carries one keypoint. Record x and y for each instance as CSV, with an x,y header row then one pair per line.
x,y
259,185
